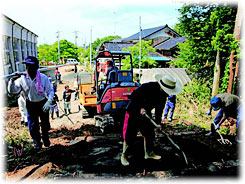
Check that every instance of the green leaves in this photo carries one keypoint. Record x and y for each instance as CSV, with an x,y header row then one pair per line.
x,y
146,61
48,53
208,28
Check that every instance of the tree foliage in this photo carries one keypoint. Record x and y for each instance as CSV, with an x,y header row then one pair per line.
x,y
50,52
146,61
208,28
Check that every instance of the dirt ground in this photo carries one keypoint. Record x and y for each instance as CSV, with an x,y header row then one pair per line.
x,y
79,150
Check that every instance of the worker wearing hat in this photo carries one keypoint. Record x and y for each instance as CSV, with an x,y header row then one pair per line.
x,y
39,94
148,96
229,106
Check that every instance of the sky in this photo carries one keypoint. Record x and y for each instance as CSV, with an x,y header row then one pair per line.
x,y
103,17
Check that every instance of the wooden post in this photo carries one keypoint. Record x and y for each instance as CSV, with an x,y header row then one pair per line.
x,y
216,75
237,31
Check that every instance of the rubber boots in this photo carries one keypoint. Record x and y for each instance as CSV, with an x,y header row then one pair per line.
x,y
124,160
151,154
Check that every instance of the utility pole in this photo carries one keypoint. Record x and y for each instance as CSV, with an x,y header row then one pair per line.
x,y
58,37
90,64
139,46
76,37
115,22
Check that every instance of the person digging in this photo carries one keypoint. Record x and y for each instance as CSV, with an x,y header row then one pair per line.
x,y
148,96
229,106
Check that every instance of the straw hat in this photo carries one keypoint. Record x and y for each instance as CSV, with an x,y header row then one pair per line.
x,y
168,83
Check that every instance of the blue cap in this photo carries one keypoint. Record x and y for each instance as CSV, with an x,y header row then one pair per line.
x,y
31,60
215,102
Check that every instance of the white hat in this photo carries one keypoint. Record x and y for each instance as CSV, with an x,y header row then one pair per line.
x,y
169,84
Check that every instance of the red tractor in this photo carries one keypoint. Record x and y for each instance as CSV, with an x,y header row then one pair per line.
x,y
114,91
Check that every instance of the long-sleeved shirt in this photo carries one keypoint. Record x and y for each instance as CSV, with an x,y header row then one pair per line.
x,y
172,98
67,95
148,96
55,100
230,104
27,85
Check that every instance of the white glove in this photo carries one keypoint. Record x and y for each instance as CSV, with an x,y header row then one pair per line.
x,y
47,106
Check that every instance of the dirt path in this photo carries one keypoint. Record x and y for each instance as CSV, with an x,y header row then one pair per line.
x,y
79,150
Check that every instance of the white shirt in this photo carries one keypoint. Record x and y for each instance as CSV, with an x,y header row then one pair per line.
x,y
22,108
27,85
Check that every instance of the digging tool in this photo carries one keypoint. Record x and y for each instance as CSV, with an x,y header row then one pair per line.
x,y
222,140
65,113
175,145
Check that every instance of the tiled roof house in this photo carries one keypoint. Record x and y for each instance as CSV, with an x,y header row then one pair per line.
x,y
164,40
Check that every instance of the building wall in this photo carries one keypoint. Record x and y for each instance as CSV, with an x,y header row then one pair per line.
x,y
17,43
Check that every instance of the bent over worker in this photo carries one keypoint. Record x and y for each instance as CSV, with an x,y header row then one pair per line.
x,y
39,95
229,106
148,96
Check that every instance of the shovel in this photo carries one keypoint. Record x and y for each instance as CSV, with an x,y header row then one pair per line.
x,y
175,145
222,140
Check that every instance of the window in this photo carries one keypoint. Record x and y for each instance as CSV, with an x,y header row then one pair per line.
x,y
16,50
6,51
23,50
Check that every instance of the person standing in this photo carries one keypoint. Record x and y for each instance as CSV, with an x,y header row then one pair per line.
x,y
59,78
39,95
50,79
22,109
148,96
170,105
75,69
54,106
54,86
56,75
67,99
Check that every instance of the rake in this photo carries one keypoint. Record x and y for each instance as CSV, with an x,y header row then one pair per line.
x,y
222,140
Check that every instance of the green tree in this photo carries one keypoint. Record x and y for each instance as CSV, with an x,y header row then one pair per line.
x,y
44,53
97,43
146,61
50,52
208,28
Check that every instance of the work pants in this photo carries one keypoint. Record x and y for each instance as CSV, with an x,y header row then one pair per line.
x,y
136,122
54,108
169,106
34,112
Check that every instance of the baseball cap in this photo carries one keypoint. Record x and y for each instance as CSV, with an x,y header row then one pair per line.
x,y
31,60
215,102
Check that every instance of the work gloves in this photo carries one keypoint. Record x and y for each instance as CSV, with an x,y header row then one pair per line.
x,y
217,127
47,106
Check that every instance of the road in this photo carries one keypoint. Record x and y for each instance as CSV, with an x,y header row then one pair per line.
x,y
79,150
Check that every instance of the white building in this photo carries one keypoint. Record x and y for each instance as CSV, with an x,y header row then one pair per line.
x,y
17,43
